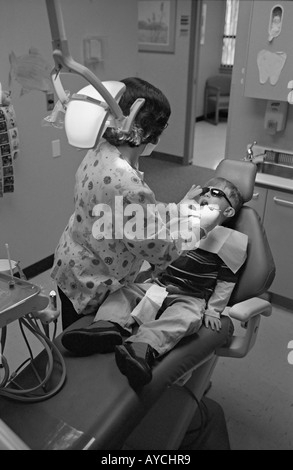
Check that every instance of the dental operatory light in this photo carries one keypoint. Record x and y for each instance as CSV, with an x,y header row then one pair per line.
x,y
87,115
95,107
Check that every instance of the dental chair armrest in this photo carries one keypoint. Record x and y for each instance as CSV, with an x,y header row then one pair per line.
x,y
244,311
248,313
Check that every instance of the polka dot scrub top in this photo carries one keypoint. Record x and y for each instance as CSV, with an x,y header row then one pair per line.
x,y
94,258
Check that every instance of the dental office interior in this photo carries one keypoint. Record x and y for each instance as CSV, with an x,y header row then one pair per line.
x,y
253,395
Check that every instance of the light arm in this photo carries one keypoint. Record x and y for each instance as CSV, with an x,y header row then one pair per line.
x,y
64,61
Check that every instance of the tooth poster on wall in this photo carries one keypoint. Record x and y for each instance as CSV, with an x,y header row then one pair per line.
x,y
270,65
9,148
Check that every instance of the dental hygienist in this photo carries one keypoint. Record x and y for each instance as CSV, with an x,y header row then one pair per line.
x,y
90,263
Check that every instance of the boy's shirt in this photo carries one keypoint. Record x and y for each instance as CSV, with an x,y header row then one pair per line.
x,y
218,259
197,273
201,273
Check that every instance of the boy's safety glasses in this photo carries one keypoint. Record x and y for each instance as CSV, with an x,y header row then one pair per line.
x,y
215,192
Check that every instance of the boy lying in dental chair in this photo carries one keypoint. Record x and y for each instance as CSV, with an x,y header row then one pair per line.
x,y
193,290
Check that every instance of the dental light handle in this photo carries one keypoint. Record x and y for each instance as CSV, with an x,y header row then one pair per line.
x,y
67,63
63,60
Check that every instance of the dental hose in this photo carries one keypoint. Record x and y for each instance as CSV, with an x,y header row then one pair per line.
x,y
32,395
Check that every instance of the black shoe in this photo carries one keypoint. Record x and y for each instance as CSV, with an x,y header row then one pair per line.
x,y
100,337
135,360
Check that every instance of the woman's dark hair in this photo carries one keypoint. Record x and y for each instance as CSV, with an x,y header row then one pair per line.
x,y
151,119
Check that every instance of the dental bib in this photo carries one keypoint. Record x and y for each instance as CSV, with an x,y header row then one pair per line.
x,y
228,244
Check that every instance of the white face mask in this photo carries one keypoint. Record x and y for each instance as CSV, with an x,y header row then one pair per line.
x,y
149,148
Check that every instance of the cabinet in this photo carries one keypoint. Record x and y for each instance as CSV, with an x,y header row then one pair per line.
x,y
278,223
275,209
269,65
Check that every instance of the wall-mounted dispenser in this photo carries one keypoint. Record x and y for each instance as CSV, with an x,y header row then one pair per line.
x,y
275,116
276,20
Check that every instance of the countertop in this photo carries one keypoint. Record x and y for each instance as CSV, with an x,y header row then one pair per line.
x,y
274,182
170,180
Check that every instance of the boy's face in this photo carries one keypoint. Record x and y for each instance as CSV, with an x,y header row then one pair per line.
x,y
220,201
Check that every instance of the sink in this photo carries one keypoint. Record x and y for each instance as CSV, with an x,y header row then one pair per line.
x,y
275,169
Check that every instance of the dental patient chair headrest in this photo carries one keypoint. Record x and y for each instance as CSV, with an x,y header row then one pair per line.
x,y
239,172
258,272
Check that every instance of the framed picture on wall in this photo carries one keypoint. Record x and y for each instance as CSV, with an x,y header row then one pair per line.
x,y
156,25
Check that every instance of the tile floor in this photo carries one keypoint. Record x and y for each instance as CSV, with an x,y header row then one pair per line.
x,y
256,392
209,143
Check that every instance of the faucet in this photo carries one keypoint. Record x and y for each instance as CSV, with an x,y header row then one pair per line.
x,y
249,152
250,157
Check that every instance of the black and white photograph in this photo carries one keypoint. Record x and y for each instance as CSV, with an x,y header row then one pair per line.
x,y
146,259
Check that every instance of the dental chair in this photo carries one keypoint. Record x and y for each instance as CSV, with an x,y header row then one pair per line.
x,y
96,409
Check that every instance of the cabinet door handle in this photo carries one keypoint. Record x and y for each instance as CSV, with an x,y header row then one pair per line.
x,y
255,196
283,202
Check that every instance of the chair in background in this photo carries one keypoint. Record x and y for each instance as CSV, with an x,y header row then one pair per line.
x,y
217,96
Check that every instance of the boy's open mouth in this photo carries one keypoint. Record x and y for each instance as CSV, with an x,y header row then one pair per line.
x,y
204,202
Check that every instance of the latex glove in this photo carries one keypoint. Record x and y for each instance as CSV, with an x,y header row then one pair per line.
x,y
194,192
210,217
212,322
193,217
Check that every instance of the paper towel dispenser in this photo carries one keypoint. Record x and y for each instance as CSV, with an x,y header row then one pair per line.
x,y
275,116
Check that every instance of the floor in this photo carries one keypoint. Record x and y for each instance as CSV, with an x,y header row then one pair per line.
x,y
209,143
256,392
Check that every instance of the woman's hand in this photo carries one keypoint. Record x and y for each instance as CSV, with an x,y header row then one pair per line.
x,y
194,192
209,217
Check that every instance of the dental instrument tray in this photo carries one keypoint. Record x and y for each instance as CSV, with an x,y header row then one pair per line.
x,y
17,298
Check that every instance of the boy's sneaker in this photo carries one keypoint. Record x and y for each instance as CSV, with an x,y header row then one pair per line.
x,y
100,337
135,360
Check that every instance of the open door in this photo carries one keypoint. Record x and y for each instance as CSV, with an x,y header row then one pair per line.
x,y
194,47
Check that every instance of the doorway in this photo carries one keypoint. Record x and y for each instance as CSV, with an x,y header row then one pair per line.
x,y
205,142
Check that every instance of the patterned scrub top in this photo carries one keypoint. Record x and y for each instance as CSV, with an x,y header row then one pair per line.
x,y
87,268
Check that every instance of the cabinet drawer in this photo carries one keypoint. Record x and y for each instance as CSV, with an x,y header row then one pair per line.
x,y
278,224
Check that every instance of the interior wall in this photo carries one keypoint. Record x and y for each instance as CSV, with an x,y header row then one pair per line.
x,y
33,217
246,115
210,51
169,72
